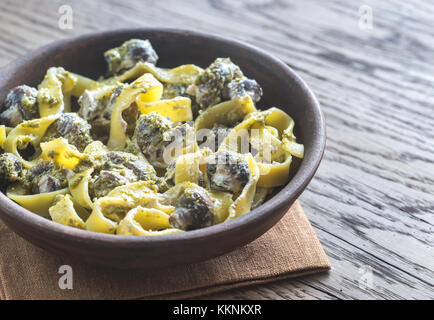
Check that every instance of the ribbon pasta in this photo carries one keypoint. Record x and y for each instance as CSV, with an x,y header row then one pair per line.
x,y
37,203
149,90
110,210
145,222
226,113
244,201
79,188
222,203
177,109
190,167
2,136
97,222
269,132
63,212
79,182
83,83
27,132
184,74
51,91
61,152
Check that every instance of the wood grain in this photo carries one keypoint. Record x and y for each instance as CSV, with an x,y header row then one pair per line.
x,y
372,200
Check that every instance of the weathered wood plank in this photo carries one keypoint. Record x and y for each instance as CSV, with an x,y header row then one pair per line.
x,y
372,201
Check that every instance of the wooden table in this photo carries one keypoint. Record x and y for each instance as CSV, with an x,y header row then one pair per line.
x,y
372,200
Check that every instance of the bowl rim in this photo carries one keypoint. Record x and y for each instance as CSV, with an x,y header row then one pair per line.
x,y
289,193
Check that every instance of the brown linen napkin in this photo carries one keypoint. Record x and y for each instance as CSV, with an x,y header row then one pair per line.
x,y
289,249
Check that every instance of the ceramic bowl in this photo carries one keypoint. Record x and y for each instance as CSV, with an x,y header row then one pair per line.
x,y
282,88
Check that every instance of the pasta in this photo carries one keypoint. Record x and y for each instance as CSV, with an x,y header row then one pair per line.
x,y
61,152
2,136
177,109
244,201
79,188
52,90
28,132
37,203
146,222
147,89
185,74
226,113
274,155
144,151
63,212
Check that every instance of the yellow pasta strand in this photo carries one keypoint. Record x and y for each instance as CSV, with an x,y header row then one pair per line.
x,y
149,89
177,109
141,193
95,150
274,174
27,132
108,211
272,138
137,208
266,143
56,82
244,201
140,221
67,102
225,113
260,196
187,168
36,203
114,208
83,83
97,222
63,212
222,202
184,74
79,188
2,136
61,152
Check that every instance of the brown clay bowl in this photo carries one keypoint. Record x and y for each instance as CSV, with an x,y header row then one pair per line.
x,y
282,87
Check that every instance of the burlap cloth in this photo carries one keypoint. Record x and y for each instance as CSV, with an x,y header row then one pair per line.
x,y
289,249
